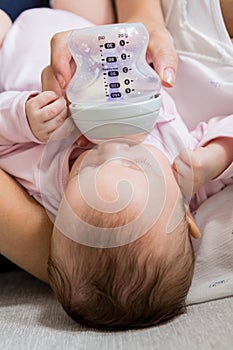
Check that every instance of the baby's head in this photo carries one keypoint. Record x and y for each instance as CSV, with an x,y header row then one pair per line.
x,y
121,253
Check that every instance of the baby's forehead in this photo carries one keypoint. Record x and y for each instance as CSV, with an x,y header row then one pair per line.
x,y
100,228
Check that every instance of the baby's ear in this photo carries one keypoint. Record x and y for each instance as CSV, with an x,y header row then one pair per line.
x,y
193,228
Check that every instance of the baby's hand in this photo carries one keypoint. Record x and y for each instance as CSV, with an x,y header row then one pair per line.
x,y
5,24
193,169
45,113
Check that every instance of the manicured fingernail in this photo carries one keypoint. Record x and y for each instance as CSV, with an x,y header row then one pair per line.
x,y
168,76
61,81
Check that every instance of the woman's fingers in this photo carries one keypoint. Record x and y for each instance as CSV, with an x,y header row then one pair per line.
x,y
163,55
61,58
49,81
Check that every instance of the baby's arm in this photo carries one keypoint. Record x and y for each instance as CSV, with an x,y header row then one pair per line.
x,y
97,11
45,113
202,164
5,24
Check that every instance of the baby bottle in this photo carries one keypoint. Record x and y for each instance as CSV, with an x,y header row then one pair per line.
x,y
114,93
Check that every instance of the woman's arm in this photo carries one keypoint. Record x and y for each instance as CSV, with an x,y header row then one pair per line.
x,y
25,228
97,11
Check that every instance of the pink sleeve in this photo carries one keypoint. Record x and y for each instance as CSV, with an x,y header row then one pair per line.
x,y
14,125
226,174
215,128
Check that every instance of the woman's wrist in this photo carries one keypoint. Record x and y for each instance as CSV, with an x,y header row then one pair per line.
x,y
148,11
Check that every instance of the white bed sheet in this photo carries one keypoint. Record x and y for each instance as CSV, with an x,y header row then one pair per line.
x,y
213,274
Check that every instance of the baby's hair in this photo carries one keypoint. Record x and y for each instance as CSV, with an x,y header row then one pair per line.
x,y
124,287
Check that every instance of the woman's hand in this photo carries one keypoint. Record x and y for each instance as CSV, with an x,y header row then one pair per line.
x,y
161,51
57,75
162,54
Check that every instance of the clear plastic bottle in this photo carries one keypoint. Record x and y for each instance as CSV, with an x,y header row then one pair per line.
x,y
114,92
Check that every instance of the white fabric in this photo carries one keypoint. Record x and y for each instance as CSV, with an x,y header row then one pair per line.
x,y
205,59
213,275
206,65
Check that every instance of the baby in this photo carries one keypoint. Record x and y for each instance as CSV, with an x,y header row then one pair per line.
x,y
121,255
